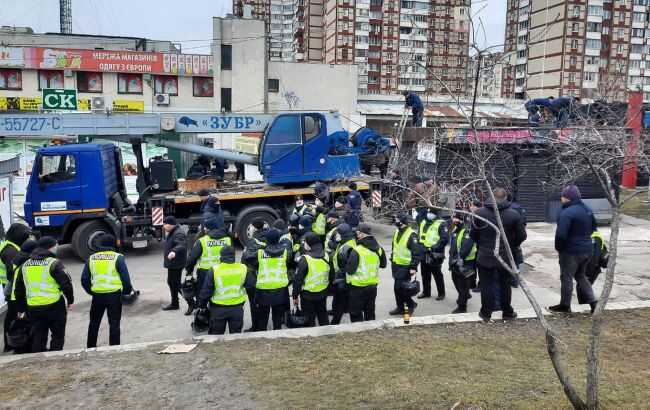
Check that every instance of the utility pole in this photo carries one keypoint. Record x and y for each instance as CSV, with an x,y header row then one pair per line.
x,y
65,16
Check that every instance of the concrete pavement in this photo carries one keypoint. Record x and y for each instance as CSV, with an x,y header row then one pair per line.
x,y
145,322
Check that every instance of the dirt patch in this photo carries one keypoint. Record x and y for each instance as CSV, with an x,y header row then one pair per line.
x,y
500,365
637,206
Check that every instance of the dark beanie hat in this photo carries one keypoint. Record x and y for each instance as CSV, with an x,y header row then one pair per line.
x,y
204,192
227,253
342,200
212,223
344,229
365,228
258,223
279,224
46,242
571,192
311,239
170,220
272,236
28,246
332,214
107,241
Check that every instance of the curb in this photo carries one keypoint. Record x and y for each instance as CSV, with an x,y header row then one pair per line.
x,y
313,331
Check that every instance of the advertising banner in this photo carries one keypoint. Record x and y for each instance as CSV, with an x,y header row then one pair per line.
x,y
11,57
128,106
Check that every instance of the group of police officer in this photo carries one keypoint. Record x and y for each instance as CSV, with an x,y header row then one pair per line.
x,y
39,291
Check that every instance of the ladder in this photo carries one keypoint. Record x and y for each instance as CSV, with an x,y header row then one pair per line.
x,y
398,139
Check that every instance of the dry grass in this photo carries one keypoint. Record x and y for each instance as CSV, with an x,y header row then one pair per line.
x,y
637,206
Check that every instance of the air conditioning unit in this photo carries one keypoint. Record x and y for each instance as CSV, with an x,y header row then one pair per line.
x,y
98,104
162,99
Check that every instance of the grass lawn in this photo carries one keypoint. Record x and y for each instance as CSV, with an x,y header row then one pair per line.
x,y
469,365
637,206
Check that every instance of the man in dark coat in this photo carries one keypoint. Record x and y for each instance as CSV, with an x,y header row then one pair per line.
x,y
211,208
574,245
491,272
12,310
406,254
413,101
175,258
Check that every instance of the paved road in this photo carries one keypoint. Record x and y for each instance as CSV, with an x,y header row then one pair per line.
x,y
145,321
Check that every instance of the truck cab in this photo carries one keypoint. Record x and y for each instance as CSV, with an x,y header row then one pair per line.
x,y
76,186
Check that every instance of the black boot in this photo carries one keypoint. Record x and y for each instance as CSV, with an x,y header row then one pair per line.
x,y
171,306
593,306
459,310
396,312
560,309
190,308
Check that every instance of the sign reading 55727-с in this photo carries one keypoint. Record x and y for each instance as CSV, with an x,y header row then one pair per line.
x,y
57,99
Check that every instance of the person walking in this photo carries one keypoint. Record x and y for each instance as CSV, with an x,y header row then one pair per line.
x,y
405,256
362,274
271,292
43,290
106,278
491,273
175,258
205,254
223,292
574,245
16,235
433,236
462,262
311,282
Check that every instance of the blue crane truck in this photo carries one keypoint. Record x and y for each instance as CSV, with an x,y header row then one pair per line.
x,y
77,191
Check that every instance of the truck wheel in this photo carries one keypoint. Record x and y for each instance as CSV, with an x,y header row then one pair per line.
x,y
84,236
245,228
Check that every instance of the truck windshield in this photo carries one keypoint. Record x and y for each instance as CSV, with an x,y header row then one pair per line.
x,y
56,168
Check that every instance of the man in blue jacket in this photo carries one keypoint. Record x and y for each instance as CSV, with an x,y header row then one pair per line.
x,y
573,243
413,101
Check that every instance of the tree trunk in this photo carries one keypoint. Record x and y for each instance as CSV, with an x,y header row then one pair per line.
x,y
593,348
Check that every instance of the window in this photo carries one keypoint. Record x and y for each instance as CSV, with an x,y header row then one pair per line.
x,y
50,79
637,49
56,168
595,27
574,44
203,86
635,65
572,77
226,57
573,60
312,127
129,83
607,14
637,32
11,79
89,82
619,48
592,60
593,44
595,10
226,100
576,11
589,76
165,84
638,17
273,85
575,27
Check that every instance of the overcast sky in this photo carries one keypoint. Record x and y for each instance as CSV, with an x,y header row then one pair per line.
x,y
178,21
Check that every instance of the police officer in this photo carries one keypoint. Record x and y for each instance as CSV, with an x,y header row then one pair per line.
x,y
225,289
311,281
286,238
405,257
106,278
16,235
206,253
10,295
300,208
332,223
320,223
362,268
41,285
345,243
271,292
462,262
433,237
249,257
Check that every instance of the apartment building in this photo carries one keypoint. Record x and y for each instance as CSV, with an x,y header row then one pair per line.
x,y
585,48
417,45
490,75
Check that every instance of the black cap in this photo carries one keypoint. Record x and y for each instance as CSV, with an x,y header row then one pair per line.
x,y
403,217
311,239
28,246
306,220
258,223
365,228
353,186
344,229
204,192
227,253
279,224
107,241
294,219
212,223
46,242
170,220
332,214
272,236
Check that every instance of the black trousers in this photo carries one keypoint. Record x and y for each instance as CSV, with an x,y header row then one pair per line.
x,y
401,298
251,305
314,308
428,270
495,280
112,304
362,303
339,304
174,283
46,320
463,285
262,316
10,316
220,316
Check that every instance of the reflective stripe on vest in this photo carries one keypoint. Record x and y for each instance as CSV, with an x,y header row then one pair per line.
x,y
272,271
335,261
3,269
401,253
229,281
318,274
459,244
104,276
367,273
319,226
597,235
211,251
328,238
40,286
287,237
431,236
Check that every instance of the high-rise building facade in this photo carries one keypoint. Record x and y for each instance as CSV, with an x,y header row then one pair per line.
x,y
416,45
585,48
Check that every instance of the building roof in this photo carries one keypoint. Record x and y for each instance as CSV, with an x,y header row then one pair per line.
x,y
447,109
